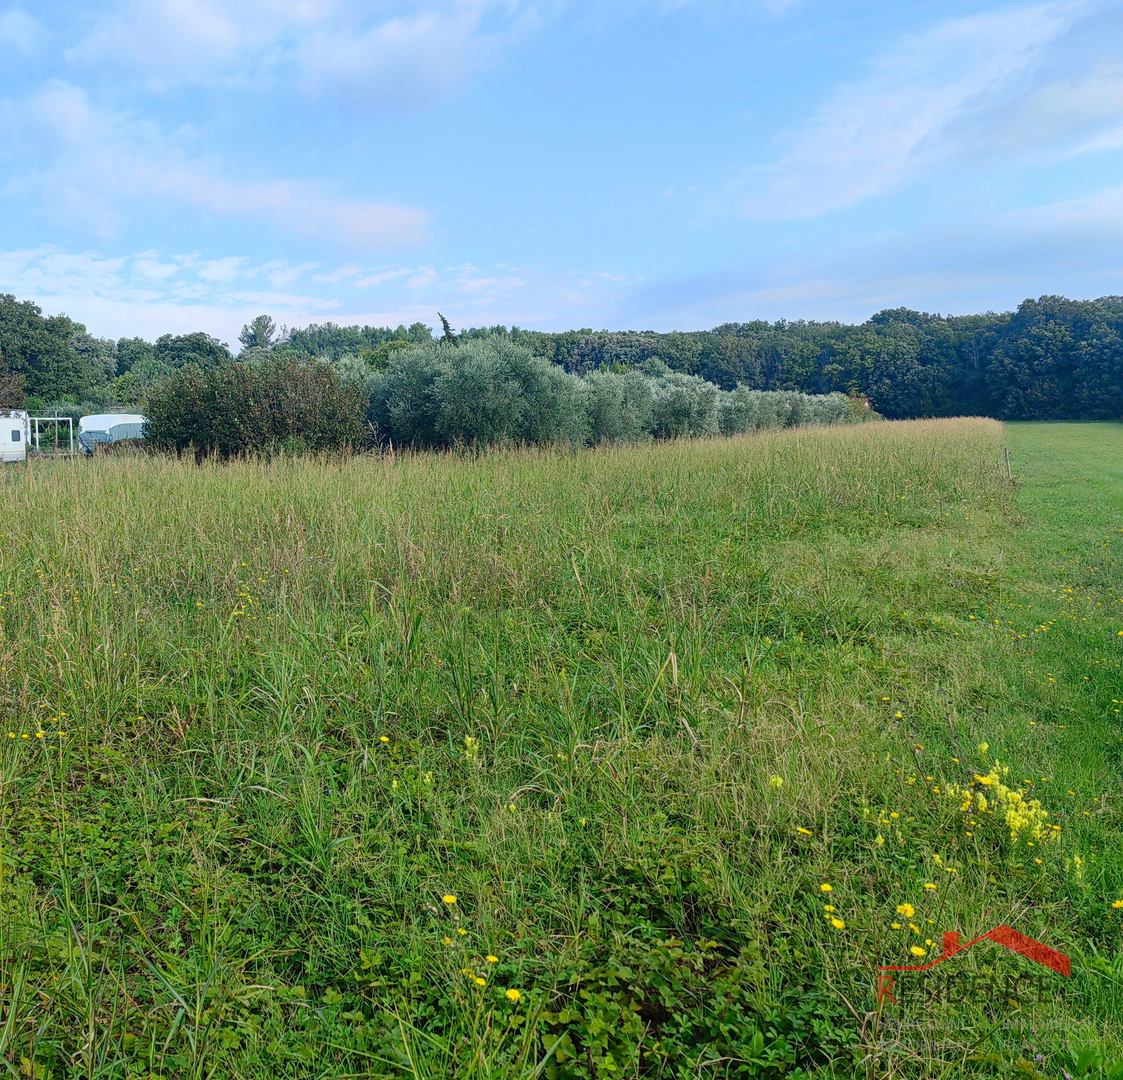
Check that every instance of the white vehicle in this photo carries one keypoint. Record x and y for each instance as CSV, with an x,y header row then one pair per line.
x,y
108,428
15,434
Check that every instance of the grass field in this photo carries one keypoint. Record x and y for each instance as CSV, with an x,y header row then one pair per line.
x,y
634,762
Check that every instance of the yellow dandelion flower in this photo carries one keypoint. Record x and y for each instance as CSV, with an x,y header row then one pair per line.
x,y
895,926
907,910
446,941
826,888
449,899
893,814
828,907
1117,903
492,959
513,995
929,885
462,931
916,950
383,738
479,982
838,924
806,832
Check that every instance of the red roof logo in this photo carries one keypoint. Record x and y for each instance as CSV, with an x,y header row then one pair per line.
x,y
1004,935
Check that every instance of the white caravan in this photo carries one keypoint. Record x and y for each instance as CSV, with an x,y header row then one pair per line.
x,y
108,427
15,434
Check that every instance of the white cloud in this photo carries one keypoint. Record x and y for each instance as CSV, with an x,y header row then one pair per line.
x,y
371,55
337,276
424,277
98,164
279,273
173,41
920,104
381,276
19,29
222,269
1099,214
150,293
408,61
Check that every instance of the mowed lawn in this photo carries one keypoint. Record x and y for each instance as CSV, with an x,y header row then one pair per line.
x,y
631,762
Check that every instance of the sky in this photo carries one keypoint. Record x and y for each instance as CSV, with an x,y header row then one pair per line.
x,y
177,165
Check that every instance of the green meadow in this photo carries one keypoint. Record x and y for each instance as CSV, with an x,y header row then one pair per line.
x,y
632,762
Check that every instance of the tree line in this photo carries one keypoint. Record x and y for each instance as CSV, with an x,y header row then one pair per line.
x,y
1051,359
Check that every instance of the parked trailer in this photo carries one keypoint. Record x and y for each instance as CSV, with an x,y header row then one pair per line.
x,y
108,428
15,434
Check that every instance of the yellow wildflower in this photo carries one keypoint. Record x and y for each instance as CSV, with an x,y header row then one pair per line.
x,y
513,995
916,950
907,910
838,924
826,888
449,899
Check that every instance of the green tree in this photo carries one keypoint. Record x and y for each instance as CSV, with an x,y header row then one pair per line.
x,y
259,334
232,409
41,349
175,352
133,351
11,388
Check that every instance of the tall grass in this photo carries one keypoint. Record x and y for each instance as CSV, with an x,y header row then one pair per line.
x,y
631,707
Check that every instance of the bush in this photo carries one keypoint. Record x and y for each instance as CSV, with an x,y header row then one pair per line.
x,y
287,404
683,406
619,406
477,392
486,391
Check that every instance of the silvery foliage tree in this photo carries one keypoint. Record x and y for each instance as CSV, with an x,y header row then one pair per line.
x,y
744,410
403,402
500,392
619,406
488,391
683,406
475,392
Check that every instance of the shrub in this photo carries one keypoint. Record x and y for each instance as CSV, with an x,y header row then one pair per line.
x,y
237,409
619,406
476,392
683,406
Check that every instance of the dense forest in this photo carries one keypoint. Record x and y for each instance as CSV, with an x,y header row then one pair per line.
x,y
1052,359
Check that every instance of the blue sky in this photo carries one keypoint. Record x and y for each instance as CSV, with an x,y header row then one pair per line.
x,y
172,165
